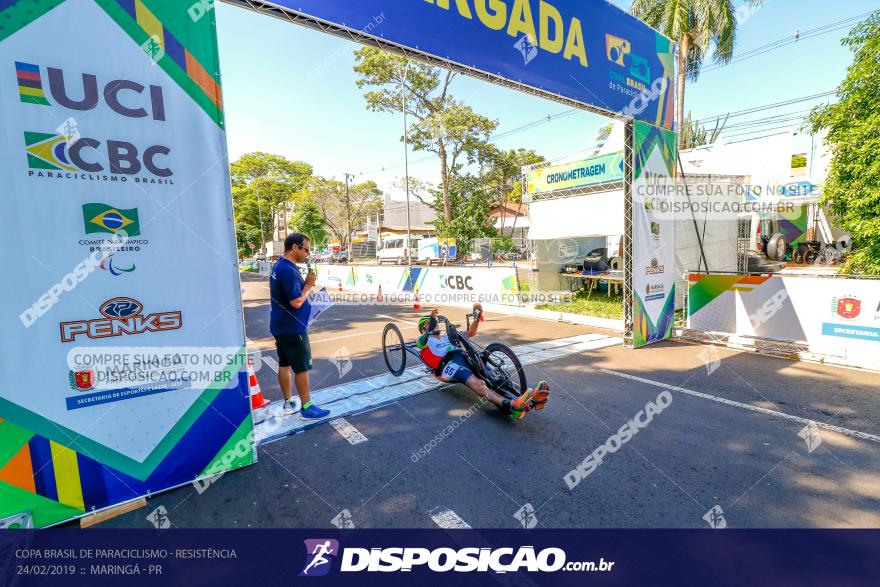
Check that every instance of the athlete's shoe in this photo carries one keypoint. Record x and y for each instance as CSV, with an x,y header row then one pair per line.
x,y
313,412
540,395
521,405
289,407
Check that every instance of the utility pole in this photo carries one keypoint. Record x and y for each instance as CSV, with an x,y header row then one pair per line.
x,y
406,171
348,214
260,214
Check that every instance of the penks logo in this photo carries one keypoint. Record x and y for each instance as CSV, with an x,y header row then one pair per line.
x,y
103,218
140,101
319,556
121,316
51,152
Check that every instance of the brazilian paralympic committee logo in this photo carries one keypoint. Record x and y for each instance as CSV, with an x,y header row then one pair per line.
x,y
320,553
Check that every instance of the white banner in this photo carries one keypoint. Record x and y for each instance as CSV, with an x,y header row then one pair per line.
x,y
119,236
435,284
836,318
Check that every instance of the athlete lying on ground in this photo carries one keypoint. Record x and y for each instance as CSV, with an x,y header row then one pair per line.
x,y
450,365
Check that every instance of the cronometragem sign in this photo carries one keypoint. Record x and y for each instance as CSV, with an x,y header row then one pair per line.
x,y
589,51
122,342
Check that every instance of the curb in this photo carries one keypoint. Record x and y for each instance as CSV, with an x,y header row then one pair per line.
x,y
594,321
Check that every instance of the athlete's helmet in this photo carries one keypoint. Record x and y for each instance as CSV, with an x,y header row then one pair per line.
x,y
423,323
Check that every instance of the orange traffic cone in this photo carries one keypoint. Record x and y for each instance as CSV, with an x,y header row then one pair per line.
x,y
257,399
379,296
340,284
417,304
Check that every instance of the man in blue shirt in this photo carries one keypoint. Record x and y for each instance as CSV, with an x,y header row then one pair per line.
x,y
288,323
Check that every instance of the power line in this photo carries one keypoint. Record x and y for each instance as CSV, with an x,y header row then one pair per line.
x,y
783,117
772,106
791,39
761,50
756,138
751,132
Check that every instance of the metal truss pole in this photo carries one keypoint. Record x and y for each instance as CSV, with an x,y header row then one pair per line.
x,y
628,166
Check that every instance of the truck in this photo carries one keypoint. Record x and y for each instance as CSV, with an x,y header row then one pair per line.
x,y
274,249
441,250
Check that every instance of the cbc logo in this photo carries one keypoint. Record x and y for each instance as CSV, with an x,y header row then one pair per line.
x,y
457,282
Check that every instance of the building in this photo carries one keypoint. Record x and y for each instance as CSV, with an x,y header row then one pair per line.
x,y
512,220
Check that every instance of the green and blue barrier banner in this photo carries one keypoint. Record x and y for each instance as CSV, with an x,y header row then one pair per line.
x,y
123,342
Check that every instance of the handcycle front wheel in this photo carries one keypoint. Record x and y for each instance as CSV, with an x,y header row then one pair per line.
x,y
393,350
513,380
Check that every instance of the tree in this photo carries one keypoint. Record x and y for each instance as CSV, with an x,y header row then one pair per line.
x,y
307,220
421,190
471,201
329,199
692,134
442,125
247,235
504,177
504,171
262,184
852,188
604,133
697,26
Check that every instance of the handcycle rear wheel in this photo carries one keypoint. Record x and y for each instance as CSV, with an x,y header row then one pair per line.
x,y
502,357
393,350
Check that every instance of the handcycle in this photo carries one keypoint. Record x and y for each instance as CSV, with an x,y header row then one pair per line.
x,y
496,364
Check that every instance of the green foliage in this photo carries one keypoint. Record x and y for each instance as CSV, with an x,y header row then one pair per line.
x,y
471,202
697,26
504,172
307,219
604,132
246,235
595,304
440,124
262,183
852,188
329,199
693,135
503,243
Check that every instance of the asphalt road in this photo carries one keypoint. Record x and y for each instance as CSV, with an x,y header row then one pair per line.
x,y
728,439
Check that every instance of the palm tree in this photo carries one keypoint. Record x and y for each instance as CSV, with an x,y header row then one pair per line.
x,y
696,25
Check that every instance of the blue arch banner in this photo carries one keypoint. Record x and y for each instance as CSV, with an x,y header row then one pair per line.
x,y
587,51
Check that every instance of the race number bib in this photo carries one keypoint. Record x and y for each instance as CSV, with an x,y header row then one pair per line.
x,y
449,371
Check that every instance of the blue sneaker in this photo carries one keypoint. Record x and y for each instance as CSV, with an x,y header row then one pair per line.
x,y
313,412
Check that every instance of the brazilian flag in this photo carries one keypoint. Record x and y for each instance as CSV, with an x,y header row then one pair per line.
x,y
107,219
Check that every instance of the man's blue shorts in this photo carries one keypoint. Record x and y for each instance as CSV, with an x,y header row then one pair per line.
x,y
456,369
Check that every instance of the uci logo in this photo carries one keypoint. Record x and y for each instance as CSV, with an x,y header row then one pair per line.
x,y
456,282
122,96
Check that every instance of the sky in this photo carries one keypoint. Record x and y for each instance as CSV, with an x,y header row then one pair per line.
x,y
291,91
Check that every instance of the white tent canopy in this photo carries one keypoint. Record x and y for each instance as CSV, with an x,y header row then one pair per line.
x,y
597,214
